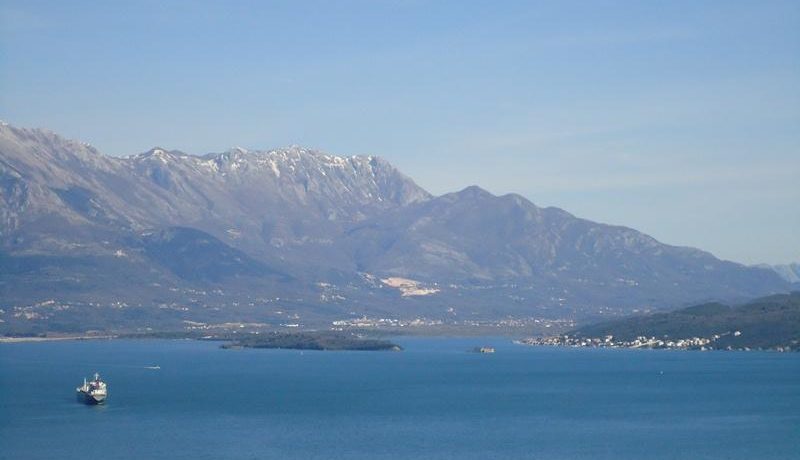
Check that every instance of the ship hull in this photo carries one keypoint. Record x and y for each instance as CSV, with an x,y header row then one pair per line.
x,y
89,399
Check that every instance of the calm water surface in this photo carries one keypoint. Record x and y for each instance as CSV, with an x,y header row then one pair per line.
x,y
432,401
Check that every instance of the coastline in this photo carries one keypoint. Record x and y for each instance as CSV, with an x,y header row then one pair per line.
x,y
55,339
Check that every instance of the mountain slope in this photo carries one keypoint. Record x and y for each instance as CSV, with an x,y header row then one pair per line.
x,y
474,236
319,232
789,272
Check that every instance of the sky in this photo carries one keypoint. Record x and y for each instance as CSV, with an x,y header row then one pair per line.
x,y
680,119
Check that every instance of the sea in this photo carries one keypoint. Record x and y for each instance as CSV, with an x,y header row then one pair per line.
x,y
182,399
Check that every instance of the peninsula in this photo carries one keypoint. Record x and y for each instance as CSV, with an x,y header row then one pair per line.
x,y
768,323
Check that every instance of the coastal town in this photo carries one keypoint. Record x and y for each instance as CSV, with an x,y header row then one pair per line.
x,y
609,341
502,324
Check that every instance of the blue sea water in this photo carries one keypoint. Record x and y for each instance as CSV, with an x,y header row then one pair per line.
x,y
432,401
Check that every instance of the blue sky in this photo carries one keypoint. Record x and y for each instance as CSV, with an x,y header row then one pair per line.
x,y
680,119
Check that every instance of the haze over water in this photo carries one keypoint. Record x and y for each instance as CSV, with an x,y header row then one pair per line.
x,y
434,400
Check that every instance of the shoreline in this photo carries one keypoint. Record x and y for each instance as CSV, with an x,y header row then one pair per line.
x,y
517,342
55,339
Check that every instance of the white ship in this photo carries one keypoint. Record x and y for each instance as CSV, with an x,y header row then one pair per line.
x,y
93,391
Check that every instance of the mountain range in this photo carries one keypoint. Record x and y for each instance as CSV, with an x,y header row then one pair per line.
x,y
297,236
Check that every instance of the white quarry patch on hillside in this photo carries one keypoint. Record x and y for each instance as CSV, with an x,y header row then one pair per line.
x,y
408,287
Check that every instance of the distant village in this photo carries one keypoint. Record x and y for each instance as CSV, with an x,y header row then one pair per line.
x,y
608,341
365,322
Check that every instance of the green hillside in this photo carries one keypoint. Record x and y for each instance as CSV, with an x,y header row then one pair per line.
x,y
768,322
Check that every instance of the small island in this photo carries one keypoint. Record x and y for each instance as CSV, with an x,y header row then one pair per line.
x,y
312,341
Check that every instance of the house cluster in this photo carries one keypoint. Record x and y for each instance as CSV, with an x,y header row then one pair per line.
x,y
608,341
366,322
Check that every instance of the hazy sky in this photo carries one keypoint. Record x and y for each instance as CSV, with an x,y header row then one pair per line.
x,y
680,119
